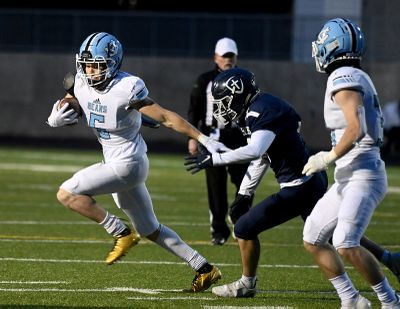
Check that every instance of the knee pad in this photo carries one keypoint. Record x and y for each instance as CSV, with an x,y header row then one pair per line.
x,y
315,234
346,235
242,230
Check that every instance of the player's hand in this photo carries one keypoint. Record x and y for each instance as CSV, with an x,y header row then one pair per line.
x,y
195,163
211,144
61,117
319,162
239,207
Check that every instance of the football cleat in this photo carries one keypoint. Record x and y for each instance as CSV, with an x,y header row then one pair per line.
x,y
202,282
235,289
393,305
122,244
218,240
393,263
360,303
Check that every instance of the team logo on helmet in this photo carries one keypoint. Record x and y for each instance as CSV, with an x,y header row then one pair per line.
x,y
111,48
235,84
323,35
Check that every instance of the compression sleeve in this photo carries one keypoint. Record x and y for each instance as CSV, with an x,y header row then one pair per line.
x,y
258,144
252,178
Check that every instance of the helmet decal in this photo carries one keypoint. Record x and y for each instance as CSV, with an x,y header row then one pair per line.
x,y
111,48
323,36
339,39
232,91
235,84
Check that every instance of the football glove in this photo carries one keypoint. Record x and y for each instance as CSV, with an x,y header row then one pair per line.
x,y
195,163
319,162
240,206
61,117
211,144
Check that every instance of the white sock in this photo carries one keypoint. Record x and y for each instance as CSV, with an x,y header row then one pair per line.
x,y
385,292
249,282
170,241
345,288
113,225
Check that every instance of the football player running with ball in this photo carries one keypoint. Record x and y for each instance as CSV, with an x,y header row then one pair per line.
x,y
353,114
112,102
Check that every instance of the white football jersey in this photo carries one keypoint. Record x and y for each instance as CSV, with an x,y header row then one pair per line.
x,y
370,113
116,127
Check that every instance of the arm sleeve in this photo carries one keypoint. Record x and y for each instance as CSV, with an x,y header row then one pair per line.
x,y
258,144
253,176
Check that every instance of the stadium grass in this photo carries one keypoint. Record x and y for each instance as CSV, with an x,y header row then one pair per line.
x,y
53,258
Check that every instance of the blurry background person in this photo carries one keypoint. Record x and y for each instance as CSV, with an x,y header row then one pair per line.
x,y
391,126
200,115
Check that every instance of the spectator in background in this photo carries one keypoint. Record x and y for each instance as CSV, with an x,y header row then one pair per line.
x,y
200,115
391,126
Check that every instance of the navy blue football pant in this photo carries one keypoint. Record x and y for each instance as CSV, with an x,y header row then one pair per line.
x,y
286,204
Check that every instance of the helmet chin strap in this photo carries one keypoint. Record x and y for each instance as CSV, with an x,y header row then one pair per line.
x,y
103,85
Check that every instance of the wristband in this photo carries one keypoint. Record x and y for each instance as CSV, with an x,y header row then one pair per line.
x,y
202,139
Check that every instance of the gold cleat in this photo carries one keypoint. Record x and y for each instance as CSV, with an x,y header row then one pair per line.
x,y
202,282
121,246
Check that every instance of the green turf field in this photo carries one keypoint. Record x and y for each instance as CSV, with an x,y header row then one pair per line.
x,y
51,257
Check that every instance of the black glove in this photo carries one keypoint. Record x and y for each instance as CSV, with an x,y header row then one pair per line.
x,y
240,206
195,163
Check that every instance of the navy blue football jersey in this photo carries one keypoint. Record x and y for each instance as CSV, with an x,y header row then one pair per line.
x,y
287,153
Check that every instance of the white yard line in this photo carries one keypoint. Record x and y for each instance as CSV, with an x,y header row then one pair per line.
x,y
40,167
35,282
286,226
242,307
30,260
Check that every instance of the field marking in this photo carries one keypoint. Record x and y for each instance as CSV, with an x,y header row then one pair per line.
x,y
252,307
73,168
32,222
173,298
285,226
30,260
106,290
64,240
40,167
35,282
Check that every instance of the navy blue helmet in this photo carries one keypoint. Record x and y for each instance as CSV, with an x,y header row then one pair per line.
x,y
232,90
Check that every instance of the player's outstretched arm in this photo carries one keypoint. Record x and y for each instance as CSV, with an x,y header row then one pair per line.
x,y
177,123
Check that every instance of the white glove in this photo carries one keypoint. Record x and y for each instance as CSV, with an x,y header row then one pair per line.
x,y
61,117
319,162
212,145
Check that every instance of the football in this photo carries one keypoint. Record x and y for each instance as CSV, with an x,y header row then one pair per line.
x,y
73,103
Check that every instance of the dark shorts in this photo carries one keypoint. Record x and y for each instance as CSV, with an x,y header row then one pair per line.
x,y
282,206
